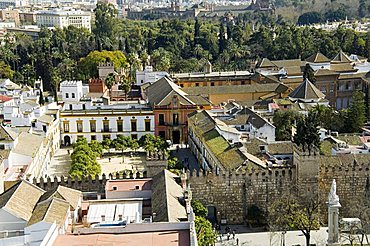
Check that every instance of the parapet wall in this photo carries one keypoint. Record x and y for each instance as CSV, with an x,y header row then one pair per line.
x,y
88,183
232,193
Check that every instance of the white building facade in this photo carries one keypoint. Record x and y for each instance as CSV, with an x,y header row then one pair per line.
x,y
97,119
149,76
64,18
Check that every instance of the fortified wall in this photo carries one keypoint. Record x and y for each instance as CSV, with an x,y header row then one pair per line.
x,y
233,193
86,184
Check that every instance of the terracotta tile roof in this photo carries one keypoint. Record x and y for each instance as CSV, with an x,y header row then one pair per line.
x,y
51,210
265,63
21,199
165,198
342,67
323,72
72,196
307,90
317,58
162,92
234,89
4,98
7,134
341,57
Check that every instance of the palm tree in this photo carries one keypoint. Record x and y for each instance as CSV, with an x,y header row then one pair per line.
x,y
67,68
144,57
126,85
134,62
109,82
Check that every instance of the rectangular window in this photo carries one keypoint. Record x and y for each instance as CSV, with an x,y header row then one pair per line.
x,y
106,137
161,119
196,84
44,128
120,125
133,136
79,126
92,126
2,146
133,126
175,119
73,95
83,107
212,83
70,107
106,126
93,137
66,126
147,125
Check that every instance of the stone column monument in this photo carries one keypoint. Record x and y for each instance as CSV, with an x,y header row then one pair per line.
x,y
333,213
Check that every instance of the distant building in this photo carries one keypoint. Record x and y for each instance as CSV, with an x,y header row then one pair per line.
x,y
8,15
171,107
63,18
91,115
149,76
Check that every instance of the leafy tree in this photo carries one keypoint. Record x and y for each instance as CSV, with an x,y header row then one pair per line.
x,y
83,160
134,145
296,212
199,209
107,143
308,73
5,71
284,121
96,147
356,112
310,18
89,64
41,99
205,234
104,20
172,163
121,143
307,132
109,82
55,81
125,85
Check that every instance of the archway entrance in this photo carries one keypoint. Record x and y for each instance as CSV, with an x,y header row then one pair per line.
x,y
212,214
67,140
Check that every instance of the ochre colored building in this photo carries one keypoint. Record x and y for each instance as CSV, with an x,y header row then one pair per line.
x,y
171,107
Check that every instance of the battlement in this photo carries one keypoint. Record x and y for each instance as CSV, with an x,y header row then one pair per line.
x,y
252,174
87,183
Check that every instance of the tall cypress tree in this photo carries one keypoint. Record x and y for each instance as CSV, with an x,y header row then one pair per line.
x,y
196,32
356,113
221,39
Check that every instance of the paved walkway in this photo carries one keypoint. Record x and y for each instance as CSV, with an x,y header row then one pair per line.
x,y
117,163
183,153
318,237
60,163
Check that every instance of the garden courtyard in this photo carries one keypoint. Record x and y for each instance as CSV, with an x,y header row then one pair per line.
x,y
110,163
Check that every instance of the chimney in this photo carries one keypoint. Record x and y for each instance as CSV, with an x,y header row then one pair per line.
x,y
183,180
208,67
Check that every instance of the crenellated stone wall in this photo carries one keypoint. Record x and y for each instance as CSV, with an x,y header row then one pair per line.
x,y
232,193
